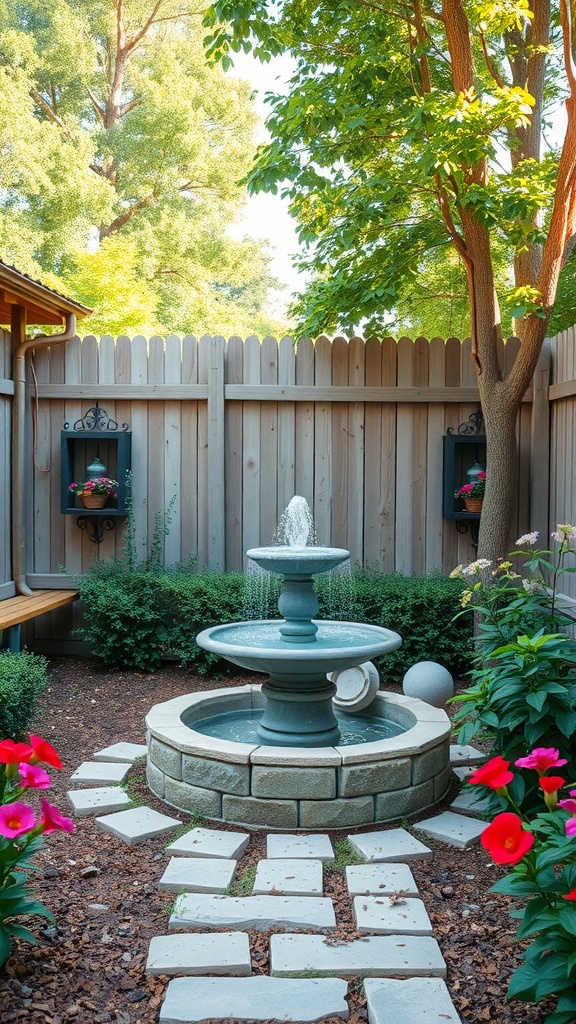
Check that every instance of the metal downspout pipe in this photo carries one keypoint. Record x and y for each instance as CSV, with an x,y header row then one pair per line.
x,y
18,446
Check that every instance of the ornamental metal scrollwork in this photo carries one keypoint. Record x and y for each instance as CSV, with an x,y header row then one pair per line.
x,y
98,524
473,425
96,419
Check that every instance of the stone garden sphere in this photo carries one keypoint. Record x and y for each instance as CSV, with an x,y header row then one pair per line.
x,y
430,682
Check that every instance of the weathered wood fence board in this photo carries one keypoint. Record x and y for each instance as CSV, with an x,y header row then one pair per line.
x,y
229,430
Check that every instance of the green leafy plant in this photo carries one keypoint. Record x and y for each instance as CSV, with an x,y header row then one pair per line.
x,y
524,682
244,884
21,833
23,676
539,846
192,602
344,855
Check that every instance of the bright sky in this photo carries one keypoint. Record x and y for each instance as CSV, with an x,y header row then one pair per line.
x,y
267,215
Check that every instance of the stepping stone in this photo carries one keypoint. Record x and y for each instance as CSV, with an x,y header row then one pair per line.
x,y
385,915
99,771
197,874
94,801
288,847
465,755
121,752
209,842
464,773
454,829
254,999
259,913
380,879
289,877
471,802
395,844
215,953
138,824
378,956
425,1000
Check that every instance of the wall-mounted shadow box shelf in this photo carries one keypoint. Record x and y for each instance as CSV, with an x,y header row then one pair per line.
x,y
460,451
95,436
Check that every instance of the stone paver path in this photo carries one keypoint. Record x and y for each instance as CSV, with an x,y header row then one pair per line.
x,y
258,998
454,829
219,953
256,913
198,874
398,939
416,1001
377,956
289,877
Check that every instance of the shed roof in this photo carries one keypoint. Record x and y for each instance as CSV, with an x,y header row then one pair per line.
x,y
43,305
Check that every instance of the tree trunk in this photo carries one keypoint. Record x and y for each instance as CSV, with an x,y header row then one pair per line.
x,y
498,508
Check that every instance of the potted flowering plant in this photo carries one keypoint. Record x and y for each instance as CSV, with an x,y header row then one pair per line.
x,y
472,494
94,493
21,831
541,852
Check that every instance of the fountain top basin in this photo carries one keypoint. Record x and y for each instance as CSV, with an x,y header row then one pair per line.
x,y
289,560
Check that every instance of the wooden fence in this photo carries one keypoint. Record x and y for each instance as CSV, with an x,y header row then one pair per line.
x,y
231,430
562,396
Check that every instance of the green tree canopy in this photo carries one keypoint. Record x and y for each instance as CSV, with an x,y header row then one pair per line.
x,y
119,135
411,129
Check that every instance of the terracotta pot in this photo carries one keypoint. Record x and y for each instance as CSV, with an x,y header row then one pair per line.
x,y
473,504
91,500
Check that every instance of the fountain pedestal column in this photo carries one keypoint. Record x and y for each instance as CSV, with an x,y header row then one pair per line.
x,y
299,713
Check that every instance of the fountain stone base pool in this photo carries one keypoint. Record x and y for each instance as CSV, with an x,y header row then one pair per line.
x,y
282,787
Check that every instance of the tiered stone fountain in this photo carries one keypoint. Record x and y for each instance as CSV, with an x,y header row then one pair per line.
x,y
278,755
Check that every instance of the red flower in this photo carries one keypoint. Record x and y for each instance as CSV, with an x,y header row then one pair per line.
x,y
53,820
569,895
551,783
505,839
44,751
13,753
493,774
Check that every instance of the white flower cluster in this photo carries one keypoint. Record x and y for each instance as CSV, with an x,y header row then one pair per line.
x,y
532,586
565,533
527,538
476,567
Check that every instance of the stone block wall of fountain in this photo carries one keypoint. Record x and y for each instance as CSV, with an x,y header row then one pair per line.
x,y
276,755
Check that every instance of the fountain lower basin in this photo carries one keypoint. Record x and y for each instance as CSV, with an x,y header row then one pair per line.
x,y
260,786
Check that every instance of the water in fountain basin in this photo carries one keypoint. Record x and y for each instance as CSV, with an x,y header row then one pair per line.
x,y
242,727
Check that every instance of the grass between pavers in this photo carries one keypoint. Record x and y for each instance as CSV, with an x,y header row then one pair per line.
x,y
244,884
344,856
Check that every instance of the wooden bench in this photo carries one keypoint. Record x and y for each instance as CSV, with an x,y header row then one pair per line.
x,y
15,610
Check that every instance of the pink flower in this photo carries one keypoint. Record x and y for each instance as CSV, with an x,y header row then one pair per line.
x,y
44,751
568,805
541,758
33,776
571,827
53,820
15,819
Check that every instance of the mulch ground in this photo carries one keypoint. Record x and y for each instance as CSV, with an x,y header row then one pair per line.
x,y
90,966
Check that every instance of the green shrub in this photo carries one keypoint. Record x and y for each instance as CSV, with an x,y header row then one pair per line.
x,y
192,602
421,609
22,679
123,615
